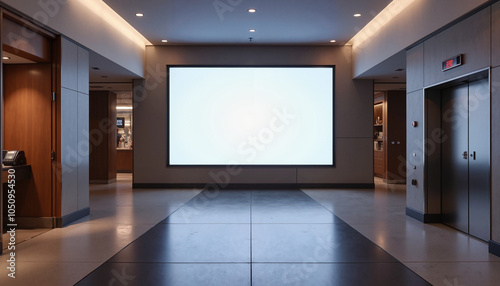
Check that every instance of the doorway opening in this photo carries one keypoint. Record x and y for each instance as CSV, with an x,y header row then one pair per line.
x,y
112,103
389,132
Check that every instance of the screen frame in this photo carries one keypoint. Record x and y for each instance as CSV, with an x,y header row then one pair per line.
x,y
168,165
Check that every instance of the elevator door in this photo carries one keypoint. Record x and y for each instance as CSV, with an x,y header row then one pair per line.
x,y
455,167
479,159
466,158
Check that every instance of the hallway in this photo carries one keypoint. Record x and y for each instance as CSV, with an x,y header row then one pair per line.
x,y
121,219
265,237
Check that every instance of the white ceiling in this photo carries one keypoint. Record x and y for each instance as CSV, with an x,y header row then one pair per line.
x,y
294,22
297,22
275,22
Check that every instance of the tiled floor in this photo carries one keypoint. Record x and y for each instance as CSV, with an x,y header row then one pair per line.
x,y
23,235
263,237
128,227
439,254
119,215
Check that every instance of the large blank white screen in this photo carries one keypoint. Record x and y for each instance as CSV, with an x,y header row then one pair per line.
x,y
250,116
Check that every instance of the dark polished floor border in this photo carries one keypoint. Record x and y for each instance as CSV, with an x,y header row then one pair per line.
x,y
252,186
267,248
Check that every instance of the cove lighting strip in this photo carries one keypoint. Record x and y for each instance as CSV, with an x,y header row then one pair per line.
x,y
109,15
377,23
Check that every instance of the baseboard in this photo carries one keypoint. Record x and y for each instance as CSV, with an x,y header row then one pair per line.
x,y
34,222
425,218
494,247
69,218
50,222
253,186
110,181
395,181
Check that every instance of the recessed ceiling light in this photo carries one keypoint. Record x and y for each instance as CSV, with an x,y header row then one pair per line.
x,y
357,15
139,14
332,41
124,107
251,30
164,41
252,10
6,58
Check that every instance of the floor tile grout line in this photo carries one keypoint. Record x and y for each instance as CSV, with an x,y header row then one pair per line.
x,y
242,263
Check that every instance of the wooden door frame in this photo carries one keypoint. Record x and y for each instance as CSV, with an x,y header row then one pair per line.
x,y
51,51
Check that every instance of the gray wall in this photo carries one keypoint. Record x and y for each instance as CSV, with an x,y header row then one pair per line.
x,y
400,29
474,37
495,124
354,112
74,127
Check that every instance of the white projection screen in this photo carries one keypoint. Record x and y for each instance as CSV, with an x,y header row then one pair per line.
x,y
250,115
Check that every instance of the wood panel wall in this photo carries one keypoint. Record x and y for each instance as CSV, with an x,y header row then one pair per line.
x,y
27,126
124,161
102,116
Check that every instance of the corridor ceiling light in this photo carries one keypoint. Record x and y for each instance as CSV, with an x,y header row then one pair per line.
x,y
6,58
357,15
252,30
139,14
252,10
124,108
332,41
164,41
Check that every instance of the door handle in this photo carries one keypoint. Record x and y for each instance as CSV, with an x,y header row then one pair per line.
x,y
473,155
465,155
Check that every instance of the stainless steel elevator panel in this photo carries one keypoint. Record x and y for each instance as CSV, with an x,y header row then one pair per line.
x,y
479,159
455,167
